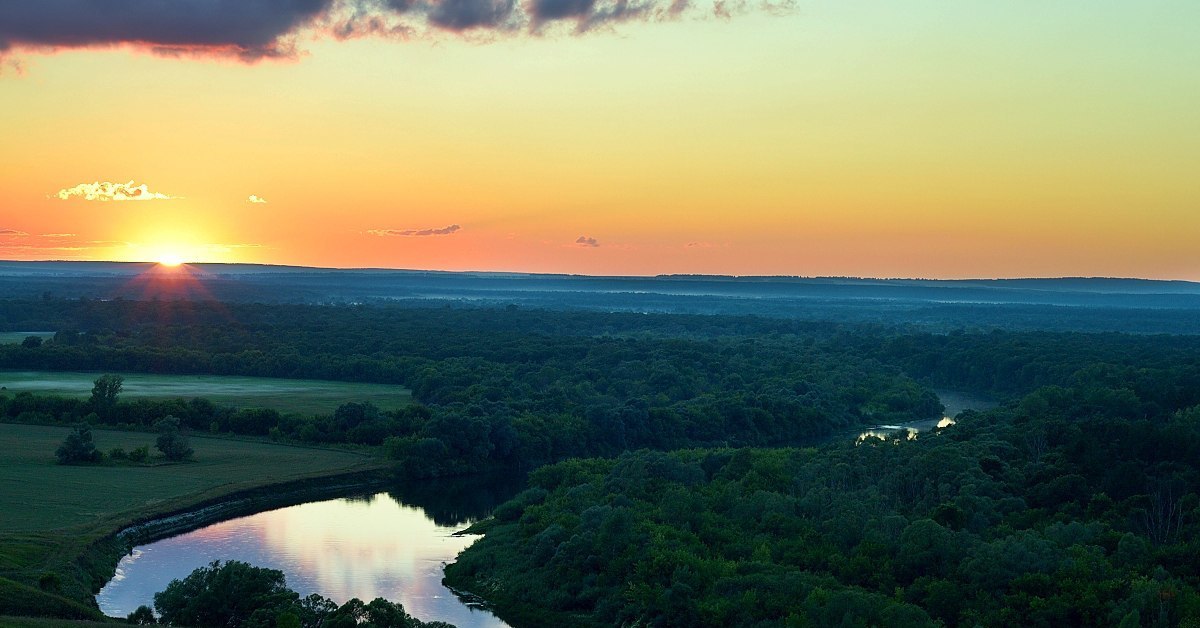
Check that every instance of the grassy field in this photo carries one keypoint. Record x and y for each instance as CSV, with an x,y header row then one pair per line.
x,y
51,514
38,495
17,337
285,395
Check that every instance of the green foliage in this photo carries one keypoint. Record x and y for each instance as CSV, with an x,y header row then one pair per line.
x,y
228,594
51,582
172,441
139,454
143,616
104,393
1062,509
78,447
237,594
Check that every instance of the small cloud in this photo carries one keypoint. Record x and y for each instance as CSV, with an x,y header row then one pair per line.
x,y
56,235
587,241
12,232
257,199
106,191
415,232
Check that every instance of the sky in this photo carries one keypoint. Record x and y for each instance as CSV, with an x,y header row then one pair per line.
x,y
917,138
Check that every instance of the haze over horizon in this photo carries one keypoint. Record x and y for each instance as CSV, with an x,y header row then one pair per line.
x,y
864,139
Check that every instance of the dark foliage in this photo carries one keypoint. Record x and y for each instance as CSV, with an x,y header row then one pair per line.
x,y
1074,507
238,595
78,447
171,441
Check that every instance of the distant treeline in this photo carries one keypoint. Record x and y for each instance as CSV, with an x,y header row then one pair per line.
x,y
509,387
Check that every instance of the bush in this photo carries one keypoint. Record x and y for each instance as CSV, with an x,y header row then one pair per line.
x,y
51,582
143,616
78,447
117,453
140,454
172,442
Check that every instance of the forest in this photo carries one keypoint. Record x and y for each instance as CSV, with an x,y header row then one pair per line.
x,y
682,467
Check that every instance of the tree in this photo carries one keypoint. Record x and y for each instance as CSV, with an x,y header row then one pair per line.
x,y
224,595
172,442
104,392
143,616
32,342
78,447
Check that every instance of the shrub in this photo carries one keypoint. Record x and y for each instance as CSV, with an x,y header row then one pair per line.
x,y
78,447
140,454
172,442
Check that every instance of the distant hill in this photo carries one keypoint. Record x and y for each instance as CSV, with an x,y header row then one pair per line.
x,y
1092,303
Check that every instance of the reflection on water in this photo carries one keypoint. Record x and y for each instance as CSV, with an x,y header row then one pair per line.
x,y
954,402
907,431
365,547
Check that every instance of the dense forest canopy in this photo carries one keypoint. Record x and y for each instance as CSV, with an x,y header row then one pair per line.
x,y
1075,507
699,485
507,387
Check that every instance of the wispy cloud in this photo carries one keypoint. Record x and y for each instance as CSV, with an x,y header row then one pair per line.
x,y
107,191
415,232
56,235
12,232
587,241
257,199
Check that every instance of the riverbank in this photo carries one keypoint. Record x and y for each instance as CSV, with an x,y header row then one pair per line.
x,y
64,528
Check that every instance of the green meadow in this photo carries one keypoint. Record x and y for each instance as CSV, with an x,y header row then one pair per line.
x,y
285,395
50,514
36,494
17,337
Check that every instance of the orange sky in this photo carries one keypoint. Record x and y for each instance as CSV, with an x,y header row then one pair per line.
x,y
933,139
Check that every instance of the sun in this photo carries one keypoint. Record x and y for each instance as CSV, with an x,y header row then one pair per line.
x,y
170,259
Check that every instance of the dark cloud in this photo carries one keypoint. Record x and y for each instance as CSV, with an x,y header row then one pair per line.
x,y
256,29
459,15
248,29
587,241
415,232
543,10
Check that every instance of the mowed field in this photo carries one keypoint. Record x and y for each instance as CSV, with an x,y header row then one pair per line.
x,y
286,395
17,337
37,495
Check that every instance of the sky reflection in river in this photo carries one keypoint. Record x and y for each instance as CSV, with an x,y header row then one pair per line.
x,y
363,547
954,402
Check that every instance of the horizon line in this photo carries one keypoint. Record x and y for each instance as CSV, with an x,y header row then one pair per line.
x,y
585,275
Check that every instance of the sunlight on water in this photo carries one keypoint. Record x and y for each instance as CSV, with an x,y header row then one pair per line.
x,y
364,547
954,402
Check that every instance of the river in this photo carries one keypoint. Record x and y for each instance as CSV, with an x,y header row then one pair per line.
x,y
391,544
955,402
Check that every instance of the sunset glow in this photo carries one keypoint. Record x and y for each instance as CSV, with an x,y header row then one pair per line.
x,y
870,138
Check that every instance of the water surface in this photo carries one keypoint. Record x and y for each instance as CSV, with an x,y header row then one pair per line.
x,y
955,402
378,545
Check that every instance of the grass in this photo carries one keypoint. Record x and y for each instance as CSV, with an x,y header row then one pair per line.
x,y
38,495
286,395
51,515
17,337
7,621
